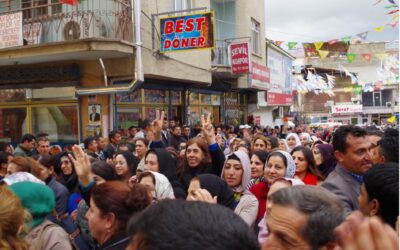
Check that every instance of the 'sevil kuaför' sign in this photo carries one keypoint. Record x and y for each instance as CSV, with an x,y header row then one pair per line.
x,y
187,32
240,59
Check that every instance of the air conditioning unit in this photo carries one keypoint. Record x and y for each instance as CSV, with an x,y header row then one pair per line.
x,y
83,27
388,105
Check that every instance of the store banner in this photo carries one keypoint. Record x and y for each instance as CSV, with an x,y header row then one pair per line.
x,y
11,30
347,109
279,99
240,58
187,32
260,76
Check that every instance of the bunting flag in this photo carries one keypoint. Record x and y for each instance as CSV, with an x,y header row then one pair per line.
x,y
392,119
377,2
393,25
394,17
391,6
379,29
351,57
393,12
367,57
278,43
333,41
362,36
381,56
392,1
323,53
291,45
346,39
318,45
70,2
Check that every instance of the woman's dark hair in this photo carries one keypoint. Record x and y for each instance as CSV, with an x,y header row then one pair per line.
x,y
262,155
131,160
118,198
279,154
202,144
309,157
166,162
27,164
146,142
46,160
147,174
104,170
274,141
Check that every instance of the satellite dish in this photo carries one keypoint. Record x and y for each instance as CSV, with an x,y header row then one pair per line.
x,y
72,30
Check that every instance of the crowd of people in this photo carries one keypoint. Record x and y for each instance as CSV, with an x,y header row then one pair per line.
x,y
167,186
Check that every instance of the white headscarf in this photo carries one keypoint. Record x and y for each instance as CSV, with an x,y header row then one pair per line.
x,y
163,187
307,135
296,138
20,177
246,177
290,165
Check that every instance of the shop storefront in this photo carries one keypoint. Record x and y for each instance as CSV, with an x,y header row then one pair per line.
x,y
48,110
235,109
142,104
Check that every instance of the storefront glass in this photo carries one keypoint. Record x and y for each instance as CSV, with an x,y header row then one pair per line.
x,y
13,124
60,122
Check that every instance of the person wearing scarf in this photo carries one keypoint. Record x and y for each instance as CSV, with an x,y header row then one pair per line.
x,y
237,174
279,164
292,140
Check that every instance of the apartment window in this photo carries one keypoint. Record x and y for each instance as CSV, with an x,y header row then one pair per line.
x,y
182,4
255,37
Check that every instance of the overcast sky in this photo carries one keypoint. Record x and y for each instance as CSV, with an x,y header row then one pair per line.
x,y
323,20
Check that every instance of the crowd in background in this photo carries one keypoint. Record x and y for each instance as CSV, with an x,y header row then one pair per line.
x,y
156,187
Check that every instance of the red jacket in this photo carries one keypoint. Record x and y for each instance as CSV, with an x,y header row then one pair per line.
x,y
260,191
310,179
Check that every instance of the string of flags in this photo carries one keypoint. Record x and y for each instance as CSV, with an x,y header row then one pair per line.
x,y
353,39
71,2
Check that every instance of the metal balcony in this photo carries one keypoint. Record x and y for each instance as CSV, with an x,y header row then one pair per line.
x,y
55,31
220,53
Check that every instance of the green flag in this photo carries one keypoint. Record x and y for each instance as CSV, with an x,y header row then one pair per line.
x,y
351,57
291,45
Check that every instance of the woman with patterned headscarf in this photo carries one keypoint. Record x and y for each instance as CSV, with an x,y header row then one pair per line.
x,y
279,164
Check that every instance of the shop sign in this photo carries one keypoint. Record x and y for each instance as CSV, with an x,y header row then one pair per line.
x,y
260,76
240,58
187,32
11,30
279,98
347,109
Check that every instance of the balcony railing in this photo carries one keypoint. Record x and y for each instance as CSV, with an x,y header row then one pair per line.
x,y
57,22
220,53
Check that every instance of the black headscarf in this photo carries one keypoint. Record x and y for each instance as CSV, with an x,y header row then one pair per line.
x,y
217,187
70,181
329,160
167,164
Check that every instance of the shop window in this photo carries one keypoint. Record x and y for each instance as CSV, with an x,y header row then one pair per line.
x,y
155,96
176,97
13,124
205,99
53,93
127,117
194,98
150,112
132,97
60,122
12,95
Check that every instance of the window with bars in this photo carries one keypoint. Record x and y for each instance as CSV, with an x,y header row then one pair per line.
x,y
37,8
255,37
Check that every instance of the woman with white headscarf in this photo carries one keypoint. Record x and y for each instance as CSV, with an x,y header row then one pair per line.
x,y
158,185
305,139
237,174
279,164
292,140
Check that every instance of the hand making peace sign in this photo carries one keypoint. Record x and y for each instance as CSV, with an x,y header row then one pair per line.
x,y
208,129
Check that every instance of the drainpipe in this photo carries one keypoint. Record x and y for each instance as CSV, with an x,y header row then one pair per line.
x,y
138,39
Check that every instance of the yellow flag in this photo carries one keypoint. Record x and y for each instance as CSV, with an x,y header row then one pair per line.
x,y
379,29
323,53
392,119
318,45
381,56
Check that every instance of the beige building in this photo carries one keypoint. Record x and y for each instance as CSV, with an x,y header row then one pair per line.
x,y
65,62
